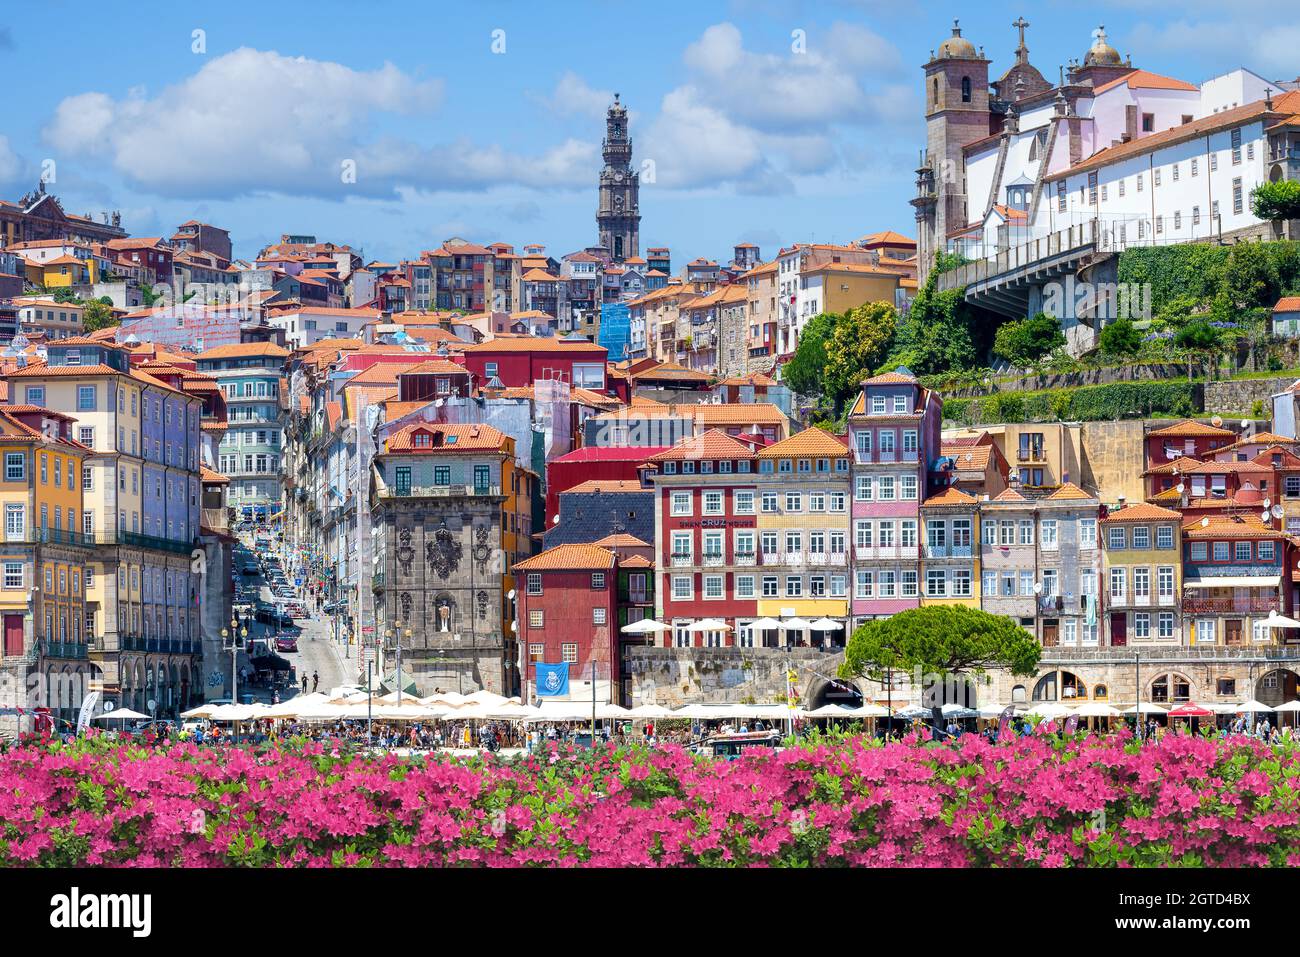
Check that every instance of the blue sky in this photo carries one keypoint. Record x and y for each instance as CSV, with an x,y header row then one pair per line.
x,y
750,139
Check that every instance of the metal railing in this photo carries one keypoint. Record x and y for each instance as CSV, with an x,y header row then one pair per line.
x,y
1217,606
441,491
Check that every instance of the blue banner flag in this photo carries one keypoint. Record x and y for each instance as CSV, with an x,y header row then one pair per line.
x,y
552,679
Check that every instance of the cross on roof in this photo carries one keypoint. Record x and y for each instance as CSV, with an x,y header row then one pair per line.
x,y
1020,24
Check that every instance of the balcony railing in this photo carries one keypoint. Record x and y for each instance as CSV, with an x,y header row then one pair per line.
x,y
1253,605
827,558
63,649
683,559
52,536
441,491
137,540
948,551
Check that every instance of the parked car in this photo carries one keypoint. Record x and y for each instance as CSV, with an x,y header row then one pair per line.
x,y
286,643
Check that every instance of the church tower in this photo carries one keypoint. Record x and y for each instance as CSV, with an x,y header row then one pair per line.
x,y
618,217
956,114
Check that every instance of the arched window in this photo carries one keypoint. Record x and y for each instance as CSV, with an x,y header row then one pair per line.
x,y
1100,693
1171,688
965,89
934,97
1018,694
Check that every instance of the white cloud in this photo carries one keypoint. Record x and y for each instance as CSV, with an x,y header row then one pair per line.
x,y
253,121
1257,40
573,96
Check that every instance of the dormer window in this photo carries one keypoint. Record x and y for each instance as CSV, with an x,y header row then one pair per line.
x,y
422,440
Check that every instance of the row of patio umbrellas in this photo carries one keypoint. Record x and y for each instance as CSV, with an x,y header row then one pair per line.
x,y
648,625
1188,709
486,706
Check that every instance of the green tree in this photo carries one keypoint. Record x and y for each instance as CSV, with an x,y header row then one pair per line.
x,y
1197,336
97,315
939,640
859,341
147,295
1120,338
937,335
1250,276
64,294
1023,341
1276,201
803,373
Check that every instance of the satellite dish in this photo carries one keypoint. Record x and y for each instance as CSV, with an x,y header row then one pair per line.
x,y
1267,501
557,520
1263,516
1205,522
1216,421
1277,511
510,595
1245,423
1038,588
1182,486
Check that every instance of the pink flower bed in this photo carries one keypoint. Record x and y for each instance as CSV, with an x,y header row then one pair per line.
x,y
1035,801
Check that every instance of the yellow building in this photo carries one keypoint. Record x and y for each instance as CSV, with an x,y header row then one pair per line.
x,y
803,533
840,286
43,557
950,566
1143,574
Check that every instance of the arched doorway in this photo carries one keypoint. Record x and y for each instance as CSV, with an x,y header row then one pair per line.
x,y
1170,688
1060,686
1277,687
838,692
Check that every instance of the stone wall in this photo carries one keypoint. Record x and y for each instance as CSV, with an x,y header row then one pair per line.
x,y
672,677
1238,396
1137,372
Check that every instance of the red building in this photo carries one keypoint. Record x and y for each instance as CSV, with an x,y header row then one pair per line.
x,y
1188,438
696,518
593,463
524,360
568,612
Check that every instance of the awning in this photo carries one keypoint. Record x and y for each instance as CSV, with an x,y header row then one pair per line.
x,y
1236,581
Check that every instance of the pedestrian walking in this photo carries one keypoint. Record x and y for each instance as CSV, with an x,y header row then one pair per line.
x,y
304,684
315,680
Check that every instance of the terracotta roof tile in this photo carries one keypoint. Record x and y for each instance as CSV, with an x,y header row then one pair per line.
x,y
713,444
1068,492
1190,428
810,442
607,485
566,557
1221,526
1142,512
446,438
950,497
622,540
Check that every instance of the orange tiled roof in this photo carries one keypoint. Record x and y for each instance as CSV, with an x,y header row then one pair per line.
x,y
1068,492
446,438
1145,80
1142,512
1222,526
1190,428
1288,304
534,344
566,557
890,378
212,478
607,485
968,457
950,497
242,349
622,540
713,444
810,442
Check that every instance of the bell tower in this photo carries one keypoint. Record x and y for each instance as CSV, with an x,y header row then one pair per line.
x,y
956,114
618,216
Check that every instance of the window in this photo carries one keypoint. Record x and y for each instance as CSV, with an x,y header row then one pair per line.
x,y
907,488
1049,542
536,618
1199,551
1165,625
1142,582
793,586
1141,625
681,503
1266,553
598,580
534,583
713,503
85,398
1115,537
1141,536
13,575
861,490
743,503
1060,196
1241,551
1165,581
1026,531
965,89
961,582
1165,536
936,583
907,584
713,587
15,521
1118,582
683,587
1236,147
770,586
1221,551
744,586
885,488
1087,533
793,502
1237,201
1148,122
15,467
569,651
